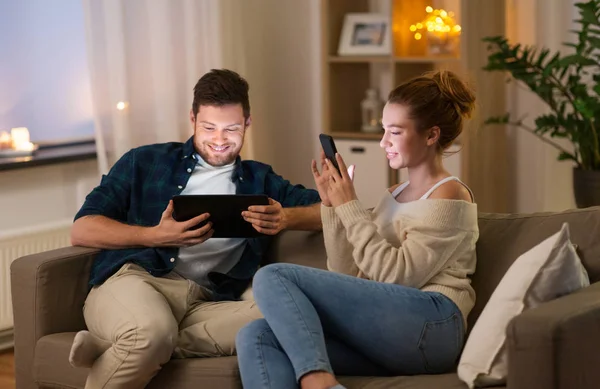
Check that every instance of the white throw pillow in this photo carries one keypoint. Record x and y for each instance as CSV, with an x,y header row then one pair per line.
x,y
547,271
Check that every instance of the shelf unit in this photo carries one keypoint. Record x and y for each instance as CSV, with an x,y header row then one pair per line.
x,y
346,78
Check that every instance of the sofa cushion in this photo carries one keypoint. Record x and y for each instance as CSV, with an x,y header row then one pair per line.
x,y
51,367
549,270
504,237
52,370
305,248
434,381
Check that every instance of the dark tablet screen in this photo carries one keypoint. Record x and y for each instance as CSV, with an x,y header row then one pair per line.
x,y
225,212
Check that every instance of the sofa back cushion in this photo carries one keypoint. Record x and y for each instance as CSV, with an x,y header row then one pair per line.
x,y
305,248
504,237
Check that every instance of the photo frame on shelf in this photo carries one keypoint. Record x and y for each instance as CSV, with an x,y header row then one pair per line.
x,y
365,34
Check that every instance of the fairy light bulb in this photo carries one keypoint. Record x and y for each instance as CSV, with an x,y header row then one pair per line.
x,y
439,22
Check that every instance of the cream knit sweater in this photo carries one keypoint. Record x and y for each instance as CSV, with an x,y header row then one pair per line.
x,y
427,244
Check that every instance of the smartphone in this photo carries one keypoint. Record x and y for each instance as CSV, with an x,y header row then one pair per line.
x,y
329,148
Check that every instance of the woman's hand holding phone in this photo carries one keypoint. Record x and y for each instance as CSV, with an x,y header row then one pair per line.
x,y
341,186
323,179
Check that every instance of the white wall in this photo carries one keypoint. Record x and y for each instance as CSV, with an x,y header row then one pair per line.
x,y
43,69
44,195
45,87
540,182
282,62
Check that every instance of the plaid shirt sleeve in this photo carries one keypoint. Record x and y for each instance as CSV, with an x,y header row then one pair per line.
x,y
287,194
111,198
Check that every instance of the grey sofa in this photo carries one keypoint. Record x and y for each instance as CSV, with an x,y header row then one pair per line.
x,y
555,346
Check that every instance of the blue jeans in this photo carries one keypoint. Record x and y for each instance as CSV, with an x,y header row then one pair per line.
x,y
317,320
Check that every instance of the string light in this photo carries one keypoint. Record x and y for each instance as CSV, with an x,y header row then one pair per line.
x,y
438,22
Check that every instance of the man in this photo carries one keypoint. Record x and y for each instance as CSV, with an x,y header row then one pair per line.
x,y
159,287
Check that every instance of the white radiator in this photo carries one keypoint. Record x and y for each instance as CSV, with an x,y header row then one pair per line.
x,y
22,242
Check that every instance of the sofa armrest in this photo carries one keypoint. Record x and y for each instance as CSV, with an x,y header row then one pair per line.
x,y
555,346
48,292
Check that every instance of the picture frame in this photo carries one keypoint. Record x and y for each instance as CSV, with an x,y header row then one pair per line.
x,y
365,34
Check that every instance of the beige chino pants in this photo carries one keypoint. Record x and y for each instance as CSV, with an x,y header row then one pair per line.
x,y
150,319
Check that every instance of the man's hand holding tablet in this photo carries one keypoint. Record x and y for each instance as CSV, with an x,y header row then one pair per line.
x,y
266,219
172,233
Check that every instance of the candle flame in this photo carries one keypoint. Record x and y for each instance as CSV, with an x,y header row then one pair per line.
x,y
18,140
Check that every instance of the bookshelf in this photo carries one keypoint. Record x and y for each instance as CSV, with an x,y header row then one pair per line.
x,y
346,78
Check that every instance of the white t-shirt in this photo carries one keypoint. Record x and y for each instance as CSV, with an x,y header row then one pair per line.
x,y
215,254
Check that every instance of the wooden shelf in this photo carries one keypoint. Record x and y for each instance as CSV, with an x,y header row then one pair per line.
x,y
389,59
429,59
360,58
356,135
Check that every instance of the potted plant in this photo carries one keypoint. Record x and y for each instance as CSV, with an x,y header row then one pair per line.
x,y
570,86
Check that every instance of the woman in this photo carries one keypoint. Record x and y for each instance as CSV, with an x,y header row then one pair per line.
x,y
397,296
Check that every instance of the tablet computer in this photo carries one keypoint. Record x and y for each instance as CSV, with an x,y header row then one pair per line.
x,y
225,212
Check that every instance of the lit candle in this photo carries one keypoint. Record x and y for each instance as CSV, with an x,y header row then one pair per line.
x,y
5,140
20,139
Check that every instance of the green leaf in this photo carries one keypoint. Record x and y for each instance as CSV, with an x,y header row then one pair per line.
x,y
562,82
494,39
564,156
554,62
543,54
588,16
503,119
576,59
547,121
515,49
563,73
594,41
558,133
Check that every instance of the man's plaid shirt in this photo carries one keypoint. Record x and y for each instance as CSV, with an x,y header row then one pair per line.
x,y
138,188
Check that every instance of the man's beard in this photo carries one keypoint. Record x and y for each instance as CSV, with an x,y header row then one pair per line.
x,y
217,160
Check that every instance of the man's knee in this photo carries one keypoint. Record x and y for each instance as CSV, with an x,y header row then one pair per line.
x,y
247,295
150,343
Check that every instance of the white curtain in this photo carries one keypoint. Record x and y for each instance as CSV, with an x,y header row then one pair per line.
x,y
149,55
538,182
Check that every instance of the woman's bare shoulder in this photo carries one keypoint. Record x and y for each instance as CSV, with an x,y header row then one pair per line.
x,y
452,190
